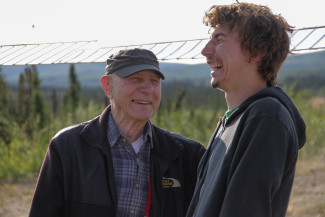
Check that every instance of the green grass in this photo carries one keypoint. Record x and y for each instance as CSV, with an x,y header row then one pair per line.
x,y
24,155
315,125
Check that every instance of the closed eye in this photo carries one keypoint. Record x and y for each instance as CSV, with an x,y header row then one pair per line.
x,y
156,81
134,78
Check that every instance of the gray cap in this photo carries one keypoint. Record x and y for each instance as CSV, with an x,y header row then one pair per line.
x,y
129,61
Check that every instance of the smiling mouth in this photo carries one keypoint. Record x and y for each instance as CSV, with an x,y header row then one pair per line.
x,y
141,102
216,66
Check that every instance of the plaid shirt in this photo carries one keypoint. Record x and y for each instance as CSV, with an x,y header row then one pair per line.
x,y
131,171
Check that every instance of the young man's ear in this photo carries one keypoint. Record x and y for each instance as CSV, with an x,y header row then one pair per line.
x,y
258,57
105,84
255,59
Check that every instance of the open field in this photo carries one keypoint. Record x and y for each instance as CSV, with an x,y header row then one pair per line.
x,y
308,195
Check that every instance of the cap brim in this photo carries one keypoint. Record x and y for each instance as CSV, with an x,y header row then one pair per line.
x,y
136,68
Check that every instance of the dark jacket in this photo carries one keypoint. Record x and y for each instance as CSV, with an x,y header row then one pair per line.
x,y
77,175
248,168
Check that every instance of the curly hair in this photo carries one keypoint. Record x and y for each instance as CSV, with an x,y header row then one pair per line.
x,y
260,31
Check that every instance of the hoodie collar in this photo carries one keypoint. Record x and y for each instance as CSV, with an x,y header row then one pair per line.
x,y
283,98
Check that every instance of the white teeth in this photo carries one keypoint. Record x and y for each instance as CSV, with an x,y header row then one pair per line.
x,y
216,66
141,102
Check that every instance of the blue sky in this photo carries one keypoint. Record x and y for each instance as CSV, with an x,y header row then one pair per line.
x,y
125,22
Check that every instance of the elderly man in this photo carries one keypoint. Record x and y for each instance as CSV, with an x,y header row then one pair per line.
x,y
119,164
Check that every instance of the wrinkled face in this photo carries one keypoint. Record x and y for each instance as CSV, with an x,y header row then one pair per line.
x,y
226,59
133,98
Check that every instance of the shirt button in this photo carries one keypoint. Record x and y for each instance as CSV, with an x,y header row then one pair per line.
x,y
137,185
123,140
138,160
132,211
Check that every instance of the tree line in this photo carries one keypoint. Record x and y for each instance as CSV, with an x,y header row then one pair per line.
x,y
26,104
30,106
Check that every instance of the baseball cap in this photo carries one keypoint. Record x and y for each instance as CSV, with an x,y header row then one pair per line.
x,y
129,61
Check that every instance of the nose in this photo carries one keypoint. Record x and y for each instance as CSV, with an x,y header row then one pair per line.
x,y
147,87
207,50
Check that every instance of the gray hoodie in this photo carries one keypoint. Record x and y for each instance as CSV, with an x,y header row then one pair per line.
x,y
248,168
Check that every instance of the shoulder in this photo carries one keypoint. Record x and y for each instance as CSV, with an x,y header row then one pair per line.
x,y
265,103
68,135
70,130
268,107
271,112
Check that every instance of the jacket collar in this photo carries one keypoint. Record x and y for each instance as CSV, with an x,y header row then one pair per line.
x,y
165,145
95,131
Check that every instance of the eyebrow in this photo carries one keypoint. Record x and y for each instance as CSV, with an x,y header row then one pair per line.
x,y
219,34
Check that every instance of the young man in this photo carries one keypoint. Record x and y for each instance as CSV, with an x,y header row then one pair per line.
x,y
248,169
119,164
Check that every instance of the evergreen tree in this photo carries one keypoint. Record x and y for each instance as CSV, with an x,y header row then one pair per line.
x,y
31,105
72,96
75,89
5,133
36,81
28,80
38,103
22,103
3,93
55,103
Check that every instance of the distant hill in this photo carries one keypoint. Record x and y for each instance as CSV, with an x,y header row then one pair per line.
x,y
89,74
309,64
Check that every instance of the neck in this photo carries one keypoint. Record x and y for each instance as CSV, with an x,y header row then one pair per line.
x,y
236,97
131,130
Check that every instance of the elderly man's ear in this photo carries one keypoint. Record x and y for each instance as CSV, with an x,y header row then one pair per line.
x,y
105,84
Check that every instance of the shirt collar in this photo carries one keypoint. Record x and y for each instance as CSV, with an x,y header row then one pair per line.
x,y
113,133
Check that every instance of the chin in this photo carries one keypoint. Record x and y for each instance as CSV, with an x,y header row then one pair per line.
x,y
143,117
214,84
